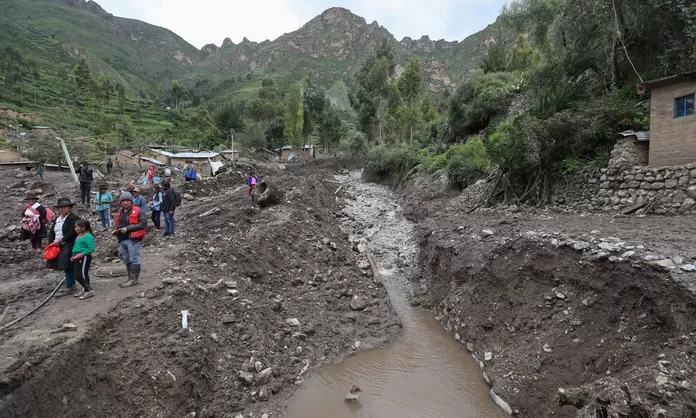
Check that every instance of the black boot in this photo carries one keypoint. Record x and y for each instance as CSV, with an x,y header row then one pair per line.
x,y
129,269
135,274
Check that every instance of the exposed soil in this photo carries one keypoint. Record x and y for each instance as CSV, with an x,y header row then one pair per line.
x,y
563,329
268,292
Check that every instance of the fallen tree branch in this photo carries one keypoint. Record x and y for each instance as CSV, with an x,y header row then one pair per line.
x,y
338,190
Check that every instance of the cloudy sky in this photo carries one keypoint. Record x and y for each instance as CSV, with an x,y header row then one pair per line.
x,y
202,22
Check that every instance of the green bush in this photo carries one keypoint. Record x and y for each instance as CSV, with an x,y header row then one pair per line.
x,y
468,163
390,163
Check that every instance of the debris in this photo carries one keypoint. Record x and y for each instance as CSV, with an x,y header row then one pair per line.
x,y
293,321
487,233
264,376
488,356
184,319
353,394
358,303
547,348
169,280
210,212
245,377
66,328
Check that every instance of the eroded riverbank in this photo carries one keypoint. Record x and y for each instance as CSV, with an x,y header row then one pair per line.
x,y
426,373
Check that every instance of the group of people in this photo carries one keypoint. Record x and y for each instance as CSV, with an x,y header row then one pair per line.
x,y
72,238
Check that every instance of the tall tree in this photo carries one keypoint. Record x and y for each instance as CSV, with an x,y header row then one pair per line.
x,y
330,128
267,105
294,118
82,78
178,92
104,89
229,119
374,93
496,59
315,103
254,138
411,84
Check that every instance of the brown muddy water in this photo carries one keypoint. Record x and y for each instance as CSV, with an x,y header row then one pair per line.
x,y
426,373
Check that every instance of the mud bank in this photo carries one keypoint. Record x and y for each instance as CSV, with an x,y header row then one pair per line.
x,y
270,295
559,331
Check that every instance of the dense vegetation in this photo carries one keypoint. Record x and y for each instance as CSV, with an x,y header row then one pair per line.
x,y
544,103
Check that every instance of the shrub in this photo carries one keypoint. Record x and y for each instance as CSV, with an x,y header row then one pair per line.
x,y
468,163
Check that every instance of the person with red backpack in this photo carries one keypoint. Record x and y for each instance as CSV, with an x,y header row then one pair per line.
x,y
34,220
252,181
131,223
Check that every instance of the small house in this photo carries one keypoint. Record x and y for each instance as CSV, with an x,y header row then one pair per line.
x,y
126,158
230,155
264,154
672,119
199,159
288,150
7,156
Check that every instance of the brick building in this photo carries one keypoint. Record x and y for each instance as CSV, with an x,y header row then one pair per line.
x,y
672,120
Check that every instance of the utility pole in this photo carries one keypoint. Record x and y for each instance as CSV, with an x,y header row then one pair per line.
x,y
232,144
67,157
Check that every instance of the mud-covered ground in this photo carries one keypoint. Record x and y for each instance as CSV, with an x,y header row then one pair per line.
x,y
270,293
584,315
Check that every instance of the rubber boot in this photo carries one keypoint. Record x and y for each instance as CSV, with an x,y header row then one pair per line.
x,y
135,274
129,269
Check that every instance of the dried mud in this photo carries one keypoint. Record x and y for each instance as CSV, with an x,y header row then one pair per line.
x,y
269,295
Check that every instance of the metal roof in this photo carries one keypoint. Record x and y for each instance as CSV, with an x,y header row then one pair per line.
x,y
686,76
195,155
640,135
152,160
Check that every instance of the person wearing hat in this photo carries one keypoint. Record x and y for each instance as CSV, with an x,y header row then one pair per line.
x,y
130,232
34,222
62,234
103,200
138,199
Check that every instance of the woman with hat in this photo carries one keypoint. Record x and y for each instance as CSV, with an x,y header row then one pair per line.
x,y
103,201
34,222
62,234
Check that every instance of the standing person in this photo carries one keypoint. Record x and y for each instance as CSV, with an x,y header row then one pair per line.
x,y
252,181
151,175
156,206
86,178
40,170
82,257
62,234
34,222
167,174
109,166
138,199
170,201
130,232
190,173
103,201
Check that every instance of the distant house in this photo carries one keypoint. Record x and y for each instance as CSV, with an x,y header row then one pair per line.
x,y
199,159
229,154
126,158
7,156
264,154
288,150
672,119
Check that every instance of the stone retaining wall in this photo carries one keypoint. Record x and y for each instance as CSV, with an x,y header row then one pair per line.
x,y
673,190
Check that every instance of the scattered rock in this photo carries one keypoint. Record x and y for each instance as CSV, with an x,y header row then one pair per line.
x,y
245,377
263,394
488,356
688,267
581,246
293,321
560,296
264,376
364,266
358,303
663,263
547,348
487,233
353,394
169,280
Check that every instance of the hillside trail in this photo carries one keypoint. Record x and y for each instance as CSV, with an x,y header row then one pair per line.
x,y
426,372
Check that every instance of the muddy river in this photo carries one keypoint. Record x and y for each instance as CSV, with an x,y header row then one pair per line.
x,y
426,373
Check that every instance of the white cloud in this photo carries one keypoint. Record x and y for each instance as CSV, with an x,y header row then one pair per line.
x,y
210,21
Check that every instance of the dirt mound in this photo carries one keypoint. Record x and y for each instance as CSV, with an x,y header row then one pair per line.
x,y
268,294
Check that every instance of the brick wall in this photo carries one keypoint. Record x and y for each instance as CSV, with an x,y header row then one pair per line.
x,y
672,141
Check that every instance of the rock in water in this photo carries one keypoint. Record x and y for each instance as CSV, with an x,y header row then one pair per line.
x,y
353,394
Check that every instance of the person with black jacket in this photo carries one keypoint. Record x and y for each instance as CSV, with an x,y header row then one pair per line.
x,y
168,207
34,222
62,234
131,223
86,179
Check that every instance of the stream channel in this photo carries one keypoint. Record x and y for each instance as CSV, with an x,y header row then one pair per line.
x,y
426,373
